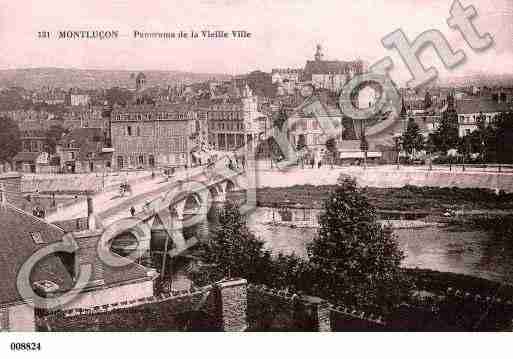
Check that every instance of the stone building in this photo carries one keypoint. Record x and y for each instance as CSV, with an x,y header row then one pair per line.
x,y
331,75
235,122
471,111
83,150
77,97
147,136
33,140
23,235
305,128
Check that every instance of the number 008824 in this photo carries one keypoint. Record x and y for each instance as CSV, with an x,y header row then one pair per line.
x,y
25,346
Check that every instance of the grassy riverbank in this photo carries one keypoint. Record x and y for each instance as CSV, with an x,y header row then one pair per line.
x,y
409,198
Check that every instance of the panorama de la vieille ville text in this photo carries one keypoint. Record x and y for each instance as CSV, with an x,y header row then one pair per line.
x,y
317,198
136,34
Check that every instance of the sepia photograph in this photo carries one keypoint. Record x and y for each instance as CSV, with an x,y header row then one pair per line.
x,y
255,166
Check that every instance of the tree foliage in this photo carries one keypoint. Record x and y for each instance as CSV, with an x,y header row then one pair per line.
x,y
280,118
53,135
352,261
412,139
446,135
493,141
355,259
428,102
234,249
10,139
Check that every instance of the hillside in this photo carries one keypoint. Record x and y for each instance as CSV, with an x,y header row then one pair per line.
x,y
88,79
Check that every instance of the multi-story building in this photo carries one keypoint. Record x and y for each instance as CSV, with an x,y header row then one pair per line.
x,y
77,97
49,96
471,111
33,140
83,117
153,135
281,75
235,122
83,150
305,129
331,75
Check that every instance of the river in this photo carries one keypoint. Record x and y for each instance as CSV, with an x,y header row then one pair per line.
x,y
468,252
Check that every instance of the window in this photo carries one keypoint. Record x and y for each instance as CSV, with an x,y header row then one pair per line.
x,y
129,130
141,160
36,237
138,131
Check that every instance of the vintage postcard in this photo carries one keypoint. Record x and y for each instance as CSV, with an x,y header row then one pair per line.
x,y
255,166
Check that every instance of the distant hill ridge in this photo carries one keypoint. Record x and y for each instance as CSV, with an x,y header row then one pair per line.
x,y
35,78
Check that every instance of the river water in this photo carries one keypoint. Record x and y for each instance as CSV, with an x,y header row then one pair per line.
x,y
468,252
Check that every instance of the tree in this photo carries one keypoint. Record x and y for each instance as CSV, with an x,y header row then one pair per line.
x,y
447,134
235,250
10,139
280,118
427,101
412,139
504,138
355,259
53,135
331,147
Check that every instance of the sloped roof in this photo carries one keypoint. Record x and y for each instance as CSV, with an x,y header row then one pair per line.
x,y
26,157
22,235
329,109
326,67
481,105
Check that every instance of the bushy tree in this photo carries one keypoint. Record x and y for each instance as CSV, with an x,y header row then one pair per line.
x,y
355,259
235,250
331,147
427,100
53,135
412,139
280,118
10,139
446,135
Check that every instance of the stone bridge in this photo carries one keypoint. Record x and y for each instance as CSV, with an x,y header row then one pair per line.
x,y
171,215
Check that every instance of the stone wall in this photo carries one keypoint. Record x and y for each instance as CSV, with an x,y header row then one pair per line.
x,y
80,183
11,183
217,307
21,318
278,310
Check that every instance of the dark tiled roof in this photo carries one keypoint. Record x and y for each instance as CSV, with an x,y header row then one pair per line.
x,y
128,273
17,244
481,105
326,67
26,157
82,134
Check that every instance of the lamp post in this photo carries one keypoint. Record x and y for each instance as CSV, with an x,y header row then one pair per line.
x,y
364,145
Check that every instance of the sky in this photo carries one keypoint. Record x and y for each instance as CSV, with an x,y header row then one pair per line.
x,y
284,33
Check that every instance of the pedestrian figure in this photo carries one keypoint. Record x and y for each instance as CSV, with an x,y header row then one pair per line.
x,y
132,211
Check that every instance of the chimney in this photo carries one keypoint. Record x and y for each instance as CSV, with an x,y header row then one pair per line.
x,y
232,301
91,225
